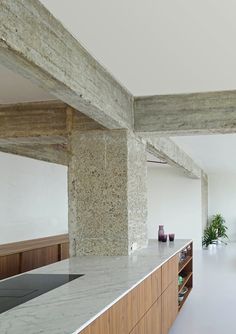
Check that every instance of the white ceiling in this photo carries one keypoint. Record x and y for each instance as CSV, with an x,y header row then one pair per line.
x,y
157,46
215,153
14,89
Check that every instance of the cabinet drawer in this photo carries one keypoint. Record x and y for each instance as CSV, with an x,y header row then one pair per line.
x,y
151,321
170,272
141,298
169,306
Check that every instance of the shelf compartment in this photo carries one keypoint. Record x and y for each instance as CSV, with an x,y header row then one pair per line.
x,y
184,263
185,297
185,281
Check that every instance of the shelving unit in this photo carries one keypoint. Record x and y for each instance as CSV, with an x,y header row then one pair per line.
x,y
185,281
186,271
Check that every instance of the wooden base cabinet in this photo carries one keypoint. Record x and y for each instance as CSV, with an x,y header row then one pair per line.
x,y
149,308
169,301
151,322
19,257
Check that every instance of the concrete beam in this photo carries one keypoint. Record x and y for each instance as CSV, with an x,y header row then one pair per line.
x,y
37,122
204,197
47,122
41,130
37,46
165,149
186,114
56,154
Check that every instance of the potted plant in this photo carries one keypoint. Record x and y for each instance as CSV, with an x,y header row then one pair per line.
x,y
215,231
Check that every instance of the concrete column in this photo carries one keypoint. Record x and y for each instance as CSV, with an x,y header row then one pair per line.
x,y
107,193
204,191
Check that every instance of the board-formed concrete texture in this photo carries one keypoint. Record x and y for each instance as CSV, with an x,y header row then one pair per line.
x,y
57,154
57,62
107,167
107,193
204,196
36,45
165,149
186,114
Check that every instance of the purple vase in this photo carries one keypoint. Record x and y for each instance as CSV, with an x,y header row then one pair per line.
x,y
160,232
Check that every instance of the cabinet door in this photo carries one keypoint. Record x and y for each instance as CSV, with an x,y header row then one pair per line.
x,y
64,251
39,257
151,321
169,306
170,271
113,321
141,298
9,265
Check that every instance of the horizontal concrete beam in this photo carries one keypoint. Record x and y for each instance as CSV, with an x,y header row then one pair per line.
x,y
165,149
186,114
37,46
47,122
37,122
57,154
41,130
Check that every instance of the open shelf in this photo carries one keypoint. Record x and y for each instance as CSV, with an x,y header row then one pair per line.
x,y
185,281
184,263
185,297
186,271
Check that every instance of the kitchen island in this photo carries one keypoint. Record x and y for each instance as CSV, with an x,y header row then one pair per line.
x,y
70,308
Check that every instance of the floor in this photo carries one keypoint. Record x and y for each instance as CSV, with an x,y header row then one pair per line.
x,y
211,307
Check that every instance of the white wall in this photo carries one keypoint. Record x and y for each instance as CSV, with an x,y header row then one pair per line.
x,y
222,199
174,201
33,199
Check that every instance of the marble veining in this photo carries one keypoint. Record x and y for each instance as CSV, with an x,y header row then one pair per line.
x,y
71,307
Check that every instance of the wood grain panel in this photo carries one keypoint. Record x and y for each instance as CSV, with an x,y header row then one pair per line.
x,y
170,271
141,298
99,326
169,306
22,256
21,246
39,257
64,251
151,321
118,319
9,265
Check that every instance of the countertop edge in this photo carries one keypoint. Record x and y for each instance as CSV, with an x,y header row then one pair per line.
x,y
77,331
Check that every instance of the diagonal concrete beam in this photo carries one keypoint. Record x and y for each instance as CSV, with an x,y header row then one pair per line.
x,y
186,114
57,154
36,45
167,150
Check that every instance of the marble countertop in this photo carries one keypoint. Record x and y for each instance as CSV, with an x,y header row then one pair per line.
x,y
71,307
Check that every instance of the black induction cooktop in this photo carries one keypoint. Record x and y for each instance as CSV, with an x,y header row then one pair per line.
x,y
20,289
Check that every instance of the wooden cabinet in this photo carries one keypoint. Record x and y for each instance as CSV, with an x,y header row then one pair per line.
x,y
141,298
151,323
9,265
37,258
124,315
169,301
64,251
19,257
170,271
186,272
149,308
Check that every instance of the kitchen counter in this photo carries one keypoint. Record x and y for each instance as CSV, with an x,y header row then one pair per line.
x,y
71,307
